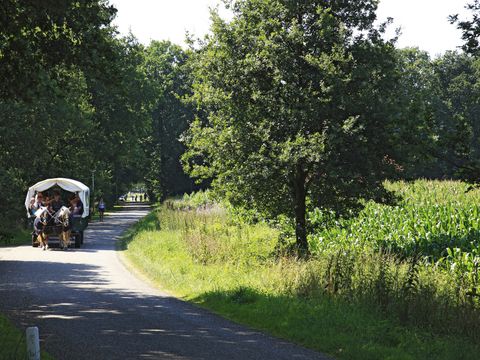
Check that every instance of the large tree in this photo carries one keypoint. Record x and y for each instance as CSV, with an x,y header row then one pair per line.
x,y
73,98
457,116
299,99
167,71
36,36
122,99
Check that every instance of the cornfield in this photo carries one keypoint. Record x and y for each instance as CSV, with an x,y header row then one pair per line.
x,y
431,218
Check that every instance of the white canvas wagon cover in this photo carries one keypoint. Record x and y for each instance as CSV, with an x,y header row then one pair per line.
x,y
67,185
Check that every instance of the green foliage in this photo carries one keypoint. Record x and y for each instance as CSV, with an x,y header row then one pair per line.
x,y
74,100
413,132
14,236
166,69
289,89
194,200
470,28
38,36
212,239
432,217
351,292
456,115
13,344
437,133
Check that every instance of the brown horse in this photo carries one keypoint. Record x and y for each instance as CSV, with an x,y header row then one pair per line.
x,y
63,218
42,239
39,227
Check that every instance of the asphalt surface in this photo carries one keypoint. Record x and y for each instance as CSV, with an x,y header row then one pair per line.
x,y
88,305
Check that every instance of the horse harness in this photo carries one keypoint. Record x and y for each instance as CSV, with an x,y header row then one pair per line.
x,y
63,220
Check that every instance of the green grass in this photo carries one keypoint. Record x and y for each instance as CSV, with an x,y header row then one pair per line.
x,y
13,343
350,301
16,237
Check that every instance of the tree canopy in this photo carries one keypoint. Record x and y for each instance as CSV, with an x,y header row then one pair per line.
x,y
470,28
166,67
73,99
298,96
289,107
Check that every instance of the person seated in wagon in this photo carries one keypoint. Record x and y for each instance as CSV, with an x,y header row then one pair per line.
x,y
36,203
57,202
76,205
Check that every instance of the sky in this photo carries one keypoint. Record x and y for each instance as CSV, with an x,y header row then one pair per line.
x,y
423,23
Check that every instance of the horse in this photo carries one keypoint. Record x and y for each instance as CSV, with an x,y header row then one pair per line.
x,y
62,217
39,227
42,239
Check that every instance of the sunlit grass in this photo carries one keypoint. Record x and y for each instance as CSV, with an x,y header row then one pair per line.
x,y
354,299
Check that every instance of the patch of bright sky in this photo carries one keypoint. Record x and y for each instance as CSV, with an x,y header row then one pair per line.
x,y
424,23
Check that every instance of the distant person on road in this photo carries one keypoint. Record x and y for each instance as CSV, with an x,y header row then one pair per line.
x,y
101,208
145,197
136,197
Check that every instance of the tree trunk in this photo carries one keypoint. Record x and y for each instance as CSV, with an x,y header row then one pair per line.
x,y
300,210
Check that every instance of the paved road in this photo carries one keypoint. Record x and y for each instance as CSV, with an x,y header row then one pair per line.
x,y
89,306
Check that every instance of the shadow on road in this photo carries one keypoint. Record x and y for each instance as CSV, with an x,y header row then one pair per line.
x,y
88,306
74,302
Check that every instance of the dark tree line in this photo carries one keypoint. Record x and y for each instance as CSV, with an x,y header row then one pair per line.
x,y
439,102
167,69
77,100
73,99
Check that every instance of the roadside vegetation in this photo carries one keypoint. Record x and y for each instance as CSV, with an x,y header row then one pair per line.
x,y
393,282
13,343
295,112
14,237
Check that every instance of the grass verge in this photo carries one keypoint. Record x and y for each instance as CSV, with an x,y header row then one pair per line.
x,y
16,238
201,253
13,343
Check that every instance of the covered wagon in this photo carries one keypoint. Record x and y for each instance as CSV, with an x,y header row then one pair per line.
x,y
78,220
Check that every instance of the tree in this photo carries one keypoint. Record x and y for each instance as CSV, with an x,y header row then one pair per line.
x,y
419,109
73,99
298,96
470,28
457,116
123,101
168,72
438,132
39,35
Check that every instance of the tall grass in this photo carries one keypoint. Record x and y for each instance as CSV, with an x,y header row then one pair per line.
x,y
414,265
